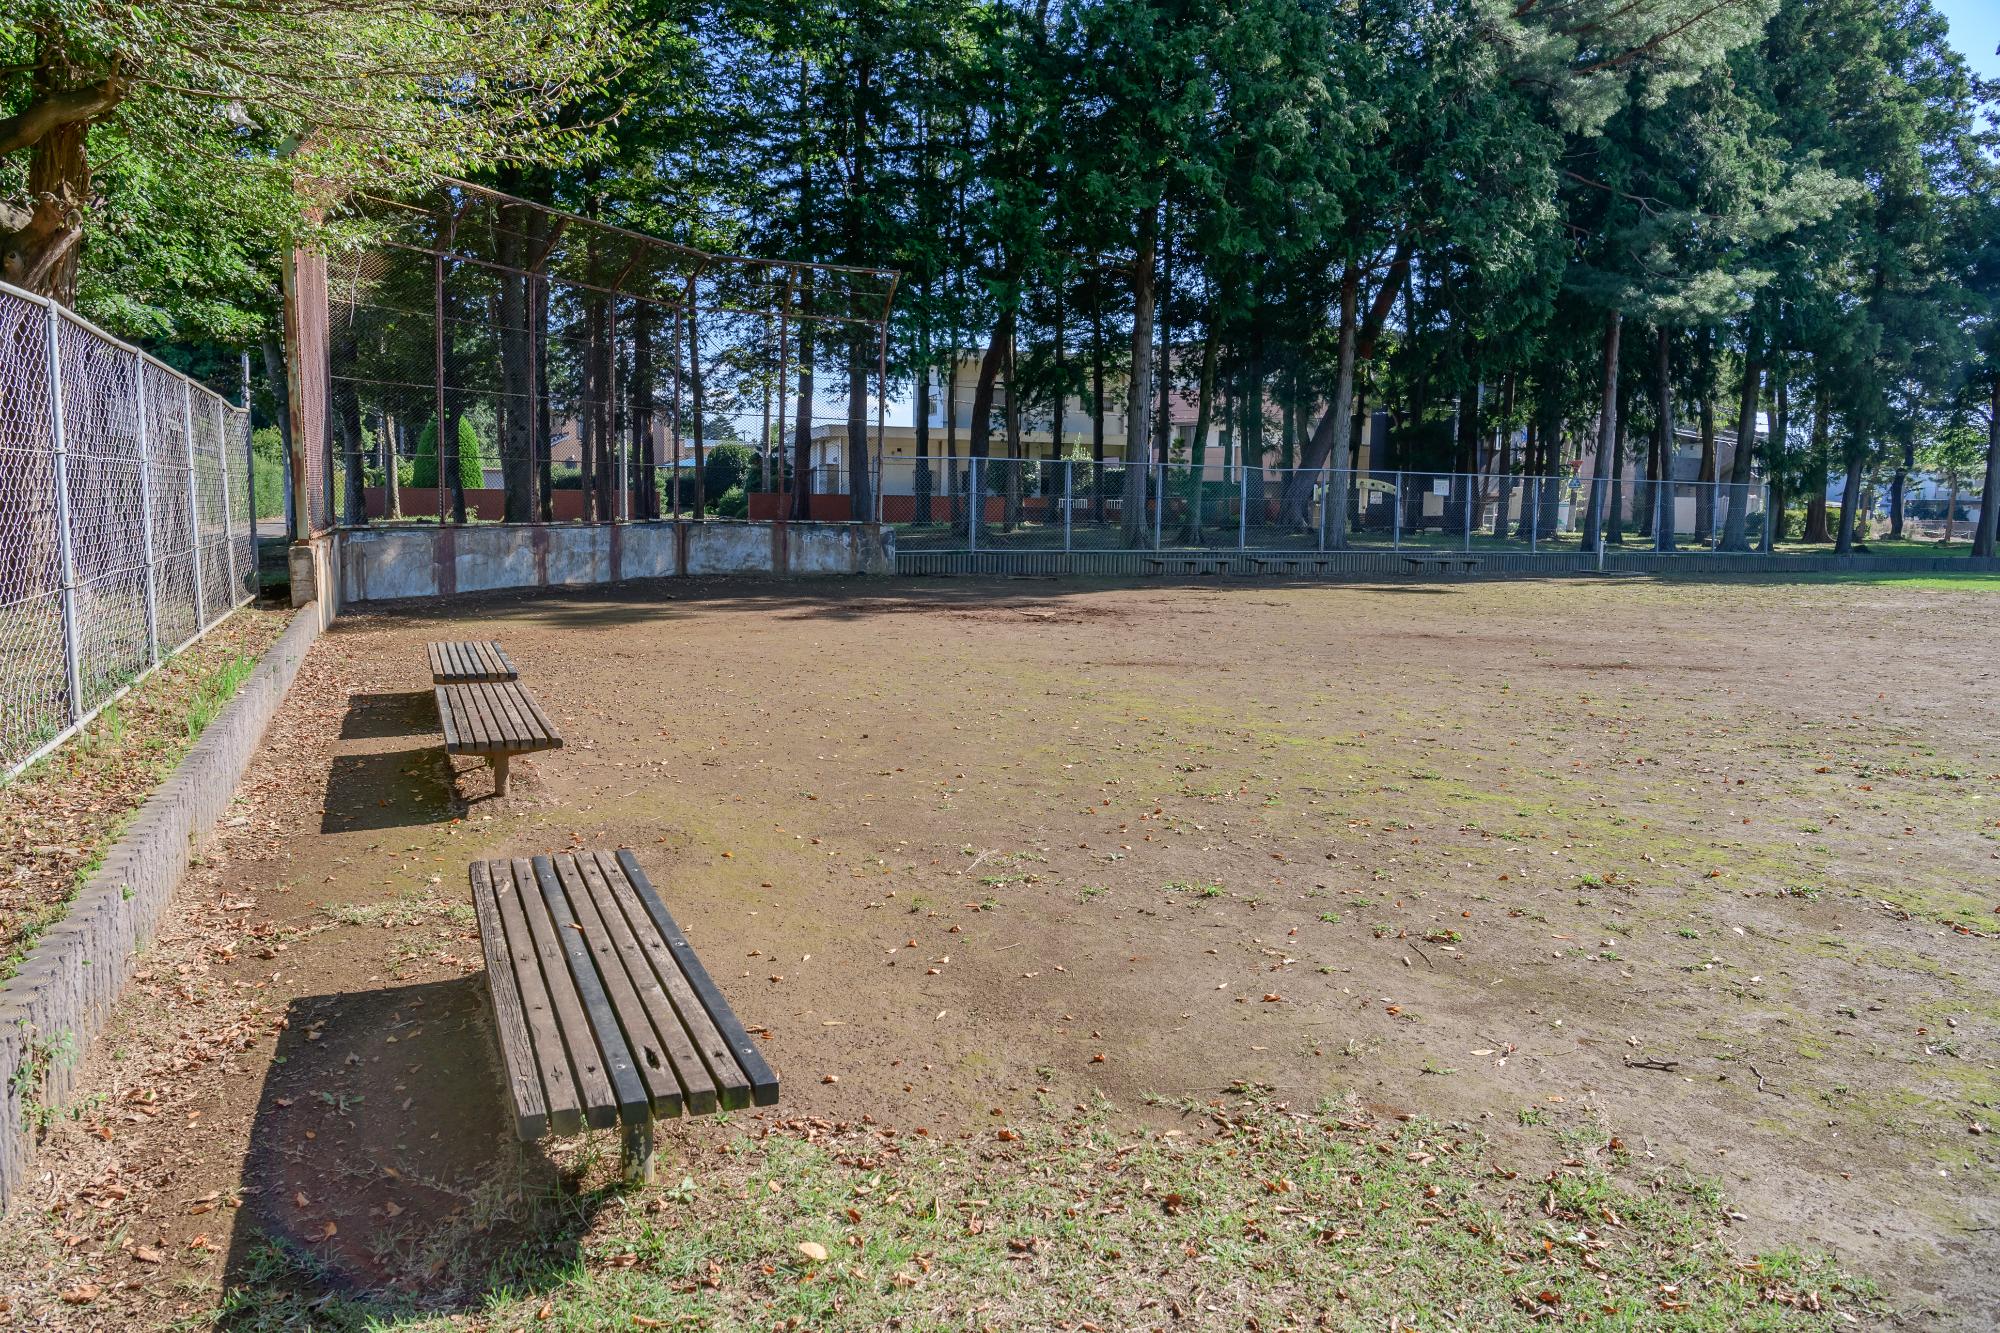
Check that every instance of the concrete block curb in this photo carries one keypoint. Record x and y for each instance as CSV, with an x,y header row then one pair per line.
x,y
59,1001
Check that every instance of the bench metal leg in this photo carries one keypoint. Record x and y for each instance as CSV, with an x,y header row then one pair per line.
x,y
635,1152
500,762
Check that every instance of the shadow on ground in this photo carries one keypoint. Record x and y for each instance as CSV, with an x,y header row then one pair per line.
x,y
393,789
383,1165
404,713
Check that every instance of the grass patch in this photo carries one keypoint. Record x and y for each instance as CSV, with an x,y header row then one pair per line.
x,y
1255,1216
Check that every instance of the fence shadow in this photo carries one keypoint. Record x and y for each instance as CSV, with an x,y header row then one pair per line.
x,y
391,789
383,1164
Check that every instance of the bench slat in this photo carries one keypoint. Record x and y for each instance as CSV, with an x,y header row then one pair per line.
x,y
493,716
460,662
585,1060
681,1037
602,1010
628,1092
647,1046
763,1082
510,1019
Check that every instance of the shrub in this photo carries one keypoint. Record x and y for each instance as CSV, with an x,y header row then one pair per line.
x,y
727,467
471,465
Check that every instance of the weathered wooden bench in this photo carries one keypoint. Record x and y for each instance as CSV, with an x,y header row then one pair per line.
x,y
456,663
604,1014
495,720
1188,564
1288,564
1426,563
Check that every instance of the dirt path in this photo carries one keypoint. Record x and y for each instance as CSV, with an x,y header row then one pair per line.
x,y
1716,863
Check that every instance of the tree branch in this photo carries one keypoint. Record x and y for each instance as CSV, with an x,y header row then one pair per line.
x,y
53,112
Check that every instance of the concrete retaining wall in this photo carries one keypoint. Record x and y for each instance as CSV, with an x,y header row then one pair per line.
x,y
1381,564
58,1002
374,564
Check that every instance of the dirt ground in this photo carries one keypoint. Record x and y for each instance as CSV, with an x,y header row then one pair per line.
x,y
1719,864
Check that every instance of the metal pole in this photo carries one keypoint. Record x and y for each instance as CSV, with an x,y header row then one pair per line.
x,y
1242,504
1069,494
1325,502
1535,517
222,470
58,436
146,511
1396,514
973,511
194,501
1471,481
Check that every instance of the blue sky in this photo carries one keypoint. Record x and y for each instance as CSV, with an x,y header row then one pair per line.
x,y
1975,30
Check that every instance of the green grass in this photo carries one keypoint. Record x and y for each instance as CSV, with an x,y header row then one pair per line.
x,y
1250,1215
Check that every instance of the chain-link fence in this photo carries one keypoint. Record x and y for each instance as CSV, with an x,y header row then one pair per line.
x,y
127,521
1079,505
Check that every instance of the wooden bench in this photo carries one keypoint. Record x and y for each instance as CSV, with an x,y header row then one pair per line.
x,y
604,1014
1288,564
457,663
1187,564
495,720
1426,563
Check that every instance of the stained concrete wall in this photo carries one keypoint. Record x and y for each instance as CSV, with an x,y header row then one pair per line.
x,y
424,560
58,1002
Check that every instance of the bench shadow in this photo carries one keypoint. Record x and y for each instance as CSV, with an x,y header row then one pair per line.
x,y
383,1166
392,789
405,713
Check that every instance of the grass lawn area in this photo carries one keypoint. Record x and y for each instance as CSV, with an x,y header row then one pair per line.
x,y
1607,952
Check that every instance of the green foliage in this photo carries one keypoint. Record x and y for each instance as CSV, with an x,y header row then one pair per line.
x,y
727,467
471,467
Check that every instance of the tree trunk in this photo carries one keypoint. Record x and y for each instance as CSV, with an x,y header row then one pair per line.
x,y
1905,461
921,484
644,474
1607,432
1663,408
1989,492
1339,416
1010,420
1780,435
695,411
1138,397
1198,445
1850,497
545,463
517,399
979,443
1096,393
1816,472
802,432
1735,527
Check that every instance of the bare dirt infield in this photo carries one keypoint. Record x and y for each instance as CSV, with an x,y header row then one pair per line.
x,y
1716,867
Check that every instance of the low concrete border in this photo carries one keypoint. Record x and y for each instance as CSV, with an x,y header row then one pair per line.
x,y
394,561
1376,564
58,1002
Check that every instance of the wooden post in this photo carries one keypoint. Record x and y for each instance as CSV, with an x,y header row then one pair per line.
x,y
635,1152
